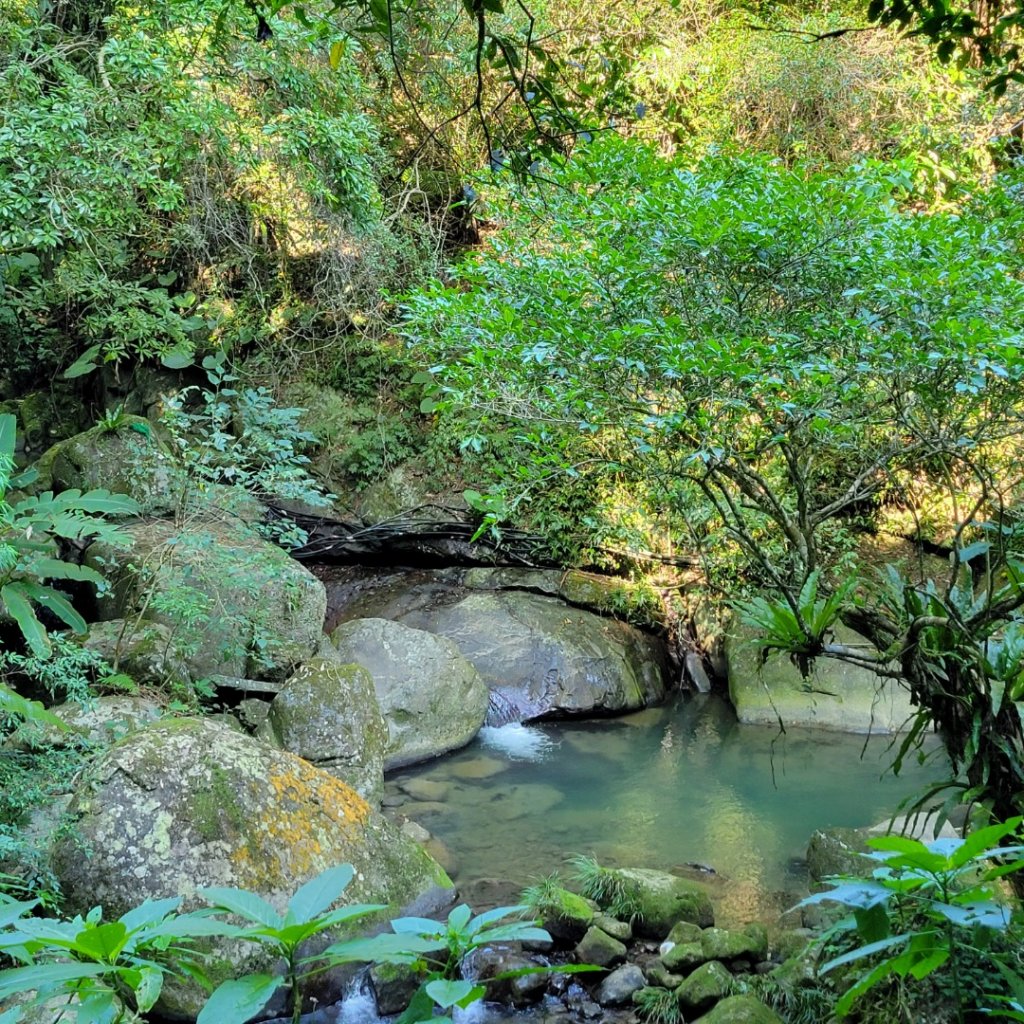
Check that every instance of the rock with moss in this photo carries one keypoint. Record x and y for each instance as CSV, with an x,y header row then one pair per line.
x,y
432,698
704,987
541,657
100,721
327,713
838,851
661,977
608,595
130,459
393,986
659,900
146,651
740,1010
184,804
684,931
236,604
621,930
835,696
726,945
598,947
565,915
683,957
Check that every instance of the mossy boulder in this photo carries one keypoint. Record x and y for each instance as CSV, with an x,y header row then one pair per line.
x,y
146,651
567,916
608,595
661,900
236,604
725,945
327,713
184,804
704,987
432,698
838,851
598,947
130,460
683,957
740,1010
835,696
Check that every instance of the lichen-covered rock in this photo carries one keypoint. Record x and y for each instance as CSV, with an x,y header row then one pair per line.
x,y
327,713
130,460
836,696
103,720
432,698
541,657
146,651
662,900
740,1010
598,947
236,604
704,987
184,804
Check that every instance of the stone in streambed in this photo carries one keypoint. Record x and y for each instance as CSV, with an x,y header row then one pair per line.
x,y
621,930
683,957
740,1010
721,944
618,988
659,975
425,789
566,916
393,986
327,713
704,987
432,698
662,900
599,948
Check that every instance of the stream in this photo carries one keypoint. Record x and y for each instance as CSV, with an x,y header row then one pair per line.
x,y
683,787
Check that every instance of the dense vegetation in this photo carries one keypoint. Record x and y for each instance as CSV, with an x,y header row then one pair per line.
x,y
735,283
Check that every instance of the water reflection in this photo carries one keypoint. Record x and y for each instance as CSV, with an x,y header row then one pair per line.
x,y
667,787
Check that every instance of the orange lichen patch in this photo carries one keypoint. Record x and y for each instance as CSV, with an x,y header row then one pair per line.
x,y
306,807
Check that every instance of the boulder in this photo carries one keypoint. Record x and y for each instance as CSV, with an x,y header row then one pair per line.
x,y
704,987
740,1010
683,957
184,804
327,713
566,916
432,698
661,900
838,851
102,720
621,930
540,657
835,696
598,947
618,988
393,986
236,604
129,459
146,651
725,945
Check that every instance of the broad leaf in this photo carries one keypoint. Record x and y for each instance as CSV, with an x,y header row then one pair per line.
x,y
313,898
239,999
245,904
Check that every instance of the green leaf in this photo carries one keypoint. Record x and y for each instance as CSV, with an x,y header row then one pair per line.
x,y
147,992
84,364
20,609
245,904
240,999
8,436
319,893
450,993
179,360
149,912
865,951
54,602
25,979
104,942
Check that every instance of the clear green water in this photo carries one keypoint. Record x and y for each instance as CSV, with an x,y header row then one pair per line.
x,y
661,788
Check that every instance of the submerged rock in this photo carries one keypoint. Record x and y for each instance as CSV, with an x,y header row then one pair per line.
x,y
184,804
327,713
432,698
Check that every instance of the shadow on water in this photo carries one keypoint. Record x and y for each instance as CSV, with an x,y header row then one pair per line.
x,y
669,787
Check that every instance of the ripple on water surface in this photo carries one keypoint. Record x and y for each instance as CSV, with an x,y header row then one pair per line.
x,y
669,787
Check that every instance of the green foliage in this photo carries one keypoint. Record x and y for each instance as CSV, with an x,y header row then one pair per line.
x,y
923,906
616,893
308,914
68,671
658,1006
241,437
114,969
796,1005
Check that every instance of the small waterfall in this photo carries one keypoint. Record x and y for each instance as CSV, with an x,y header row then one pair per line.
x,y
517,742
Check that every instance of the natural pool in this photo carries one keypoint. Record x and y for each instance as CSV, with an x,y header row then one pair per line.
x,y
664,788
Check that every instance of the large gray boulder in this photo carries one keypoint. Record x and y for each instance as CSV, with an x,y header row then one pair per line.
x,y
327,713
236,604
541,657
185,804
432,698
835,696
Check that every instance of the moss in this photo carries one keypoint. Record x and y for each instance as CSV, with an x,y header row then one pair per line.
x,y
211,808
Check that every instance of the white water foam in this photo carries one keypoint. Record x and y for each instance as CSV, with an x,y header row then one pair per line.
x,y
517,741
